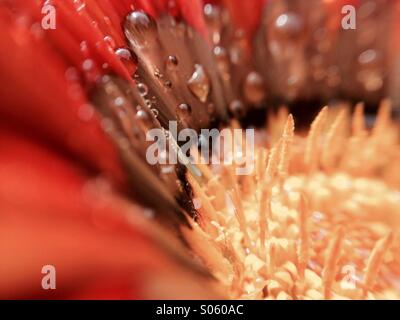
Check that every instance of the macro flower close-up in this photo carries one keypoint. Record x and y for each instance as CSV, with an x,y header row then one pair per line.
x,y
200,149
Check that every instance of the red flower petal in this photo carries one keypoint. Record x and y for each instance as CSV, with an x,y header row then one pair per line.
x,y
38,98
51,214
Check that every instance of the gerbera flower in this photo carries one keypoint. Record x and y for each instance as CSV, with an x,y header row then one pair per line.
x,y
316,219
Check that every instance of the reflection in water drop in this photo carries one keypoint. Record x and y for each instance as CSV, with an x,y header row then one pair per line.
x,y
140,28
199,84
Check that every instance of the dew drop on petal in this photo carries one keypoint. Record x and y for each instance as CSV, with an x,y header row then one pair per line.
x,y
143,90
172,62
199,84
140,28
213,19
119,101
197,203
168,84
127,58
184,111
88,65
84,48
289,25
110,41
155,112
367,57
124,54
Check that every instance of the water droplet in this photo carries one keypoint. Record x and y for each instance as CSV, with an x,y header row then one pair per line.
x,y
238,52
172,62
119,101
289,25
155,112
212,16
367,56
128,58
110,41
168,84
199,83
105,79
140,28
236,107
254,88
84,48
124,53
197,203
142,115
184,111
88,65
143,90
158,74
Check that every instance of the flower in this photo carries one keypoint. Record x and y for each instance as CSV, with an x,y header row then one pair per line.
x,y
76,192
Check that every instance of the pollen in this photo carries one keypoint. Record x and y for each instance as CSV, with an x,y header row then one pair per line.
x,y
317,219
